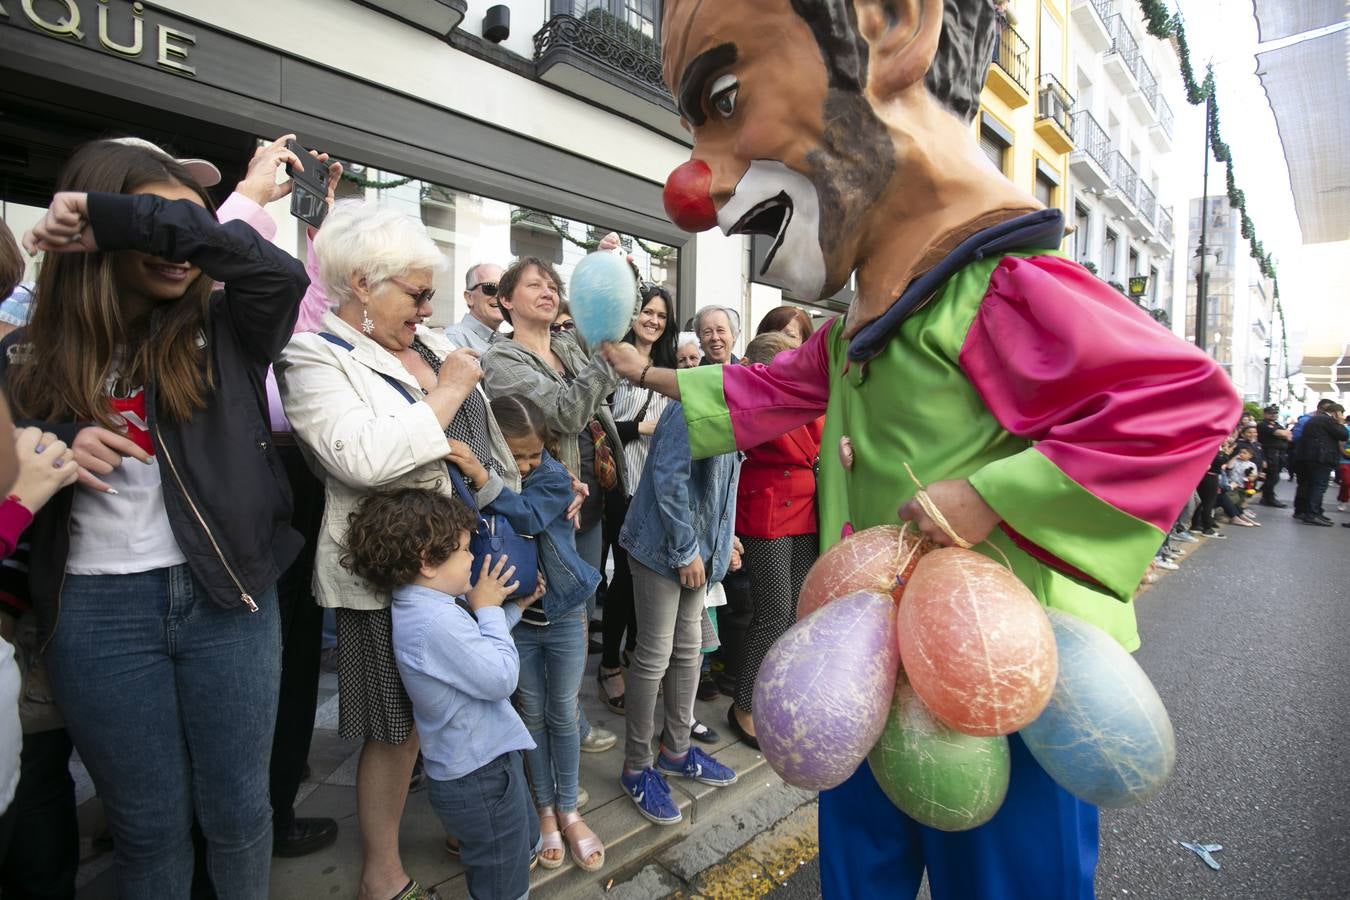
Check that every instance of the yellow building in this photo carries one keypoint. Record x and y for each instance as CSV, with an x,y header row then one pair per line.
x,y
1023,124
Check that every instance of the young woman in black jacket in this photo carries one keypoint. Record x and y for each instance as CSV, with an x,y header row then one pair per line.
x,y
153,578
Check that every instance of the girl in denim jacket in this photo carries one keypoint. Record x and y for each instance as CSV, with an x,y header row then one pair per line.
x,y
678,534
550,637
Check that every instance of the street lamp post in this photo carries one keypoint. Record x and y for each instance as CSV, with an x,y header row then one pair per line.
x,y
1202,277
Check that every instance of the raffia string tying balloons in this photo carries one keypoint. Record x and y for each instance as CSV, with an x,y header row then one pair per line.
x,y
934,513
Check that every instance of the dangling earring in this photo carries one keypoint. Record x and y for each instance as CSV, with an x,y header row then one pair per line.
x,y
367,324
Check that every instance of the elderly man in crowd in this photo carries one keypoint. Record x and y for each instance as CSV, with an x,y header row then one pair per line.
x,y
480,323
718,328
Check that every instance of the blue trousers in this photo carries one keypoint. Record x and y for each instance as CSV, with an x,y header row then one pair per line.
x,y
1041,845
171,701
552,660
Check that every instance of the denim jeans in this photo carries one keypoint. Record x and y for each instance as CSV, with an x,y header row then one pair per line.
x,y
490,811
171,702
669,629
590,547
552,659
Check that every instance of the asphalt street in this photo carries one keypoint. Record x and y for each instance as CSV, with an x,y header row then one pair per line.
x,y
1247,644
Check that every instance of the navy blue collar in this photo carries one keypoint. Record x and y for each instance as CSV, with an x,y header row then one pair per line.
x,y
1043,229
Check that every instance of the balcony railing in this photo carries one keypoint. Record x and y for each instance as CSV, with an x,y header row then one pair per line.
x,y
1147,202
1105,8
1165,224
1055,103
1091,138
607,40
1125,178
1123,42
1012,55
1164,115
1148,85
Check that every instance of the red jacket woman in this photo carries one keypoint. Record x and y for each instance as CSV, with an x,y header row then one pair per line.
x,y
777,496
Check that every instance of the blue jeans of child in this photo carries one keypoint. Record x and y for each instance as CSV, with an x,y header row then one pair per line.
x,y
171,702
552,659
490,810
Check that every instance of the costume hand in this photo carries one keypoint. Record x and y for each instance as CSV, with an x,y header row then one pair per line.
x,y
625,359
580,492
467,462
609,241
64,228
494,583
98,451
539,592
46,465
966,512
260,180
693,576
460,371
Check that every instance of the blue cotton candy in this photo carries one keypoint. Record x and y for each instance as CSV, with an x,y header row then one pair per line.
x,y
602,296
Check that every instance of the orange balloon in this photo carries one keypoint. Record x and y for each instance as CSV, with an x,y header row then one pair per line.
x,y
867,560
975,643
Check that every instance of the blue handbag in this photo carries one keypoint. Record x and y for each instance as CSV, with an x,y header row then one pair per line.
x,y
494,536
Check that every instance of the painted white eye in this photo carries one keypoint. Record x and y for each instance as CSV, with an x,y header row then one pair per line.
x,y
722,95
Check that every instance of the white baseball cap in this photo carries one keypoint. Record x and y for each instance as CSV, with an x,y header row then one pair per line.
x,y
203,172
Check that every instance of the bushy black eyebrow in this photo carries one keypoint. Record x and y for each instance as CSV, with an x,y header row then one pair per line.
x,y
696,75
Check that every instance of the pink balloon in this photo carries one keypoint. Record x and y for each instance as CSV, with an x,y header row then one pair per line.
x,y
975,643
824,690
867,560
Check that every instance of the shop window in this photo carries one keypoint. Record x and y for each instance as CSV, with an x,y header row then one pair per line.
x,y
471,229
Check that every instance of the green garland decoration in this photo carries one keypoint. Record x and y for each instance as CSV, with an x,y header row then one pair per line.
x,y
1164,24
520,214
377,185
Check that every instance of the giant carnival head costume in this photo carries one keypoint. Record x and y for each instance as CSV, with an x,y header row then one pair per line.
x,y
841,130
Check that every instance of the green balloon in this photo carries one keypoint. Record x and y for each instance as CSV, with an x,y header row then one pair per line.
x,y
938,776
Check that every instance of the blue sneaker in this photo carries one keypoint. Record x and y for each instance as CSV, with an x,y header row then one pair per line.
x,y
697,765
652,796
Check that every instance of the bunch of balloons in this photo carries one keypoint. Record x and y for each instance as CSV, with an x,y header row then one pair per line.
x,y
923,660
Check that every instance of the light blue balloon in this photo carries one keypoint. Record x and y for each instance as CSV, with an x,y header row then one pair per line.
x,y
602,295
1105,736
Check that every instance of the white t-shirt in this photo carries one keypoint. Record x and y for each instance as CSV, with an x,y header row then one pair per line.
x,y
127,532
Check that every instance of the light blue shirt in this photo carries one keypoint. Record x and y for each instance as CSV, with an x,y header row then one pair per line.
x,y
471,333
460,675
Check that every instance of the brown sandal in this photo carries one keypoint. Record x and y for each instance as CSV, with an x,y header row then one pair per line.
x,y
582,847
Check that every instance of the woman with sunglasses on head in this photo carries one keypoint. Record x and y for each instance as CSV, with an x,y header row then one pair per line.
x,y
636,411
381,402
551,368
154,578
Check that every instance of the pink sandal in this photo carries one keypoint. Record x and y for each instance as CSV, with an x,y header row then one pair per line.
x,y
550,840
582,847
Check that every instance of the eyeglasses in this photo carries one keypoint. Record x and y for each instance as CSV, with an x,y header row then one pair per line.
x,y
489,288
420,295
560,327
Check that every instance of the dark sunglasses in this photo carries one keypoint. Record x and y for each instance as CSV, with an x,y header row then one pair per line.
x,y
421,296
560,327
489,288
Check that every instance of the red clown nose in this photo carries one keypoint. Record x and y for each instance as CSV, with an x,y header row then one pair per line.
x,y
687,198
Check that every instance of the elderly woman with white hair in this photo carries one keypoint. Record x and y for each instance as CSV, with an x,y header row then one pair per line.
x,y
337,386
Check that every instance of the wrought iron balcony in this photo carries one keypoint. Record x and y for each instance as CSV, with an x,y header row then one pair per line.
x,y
1165,225
1125,180
1147,202
1053,105
1012,55
1148,85
1122,59
596,53
1091,17
1091,139
1165,122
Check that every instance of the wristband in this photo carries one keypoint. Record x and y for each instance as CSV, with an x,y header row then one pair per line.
x,y
642,379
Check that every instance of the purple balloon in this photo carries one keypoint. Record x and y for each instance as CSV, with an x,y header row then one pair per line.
x,y
824,690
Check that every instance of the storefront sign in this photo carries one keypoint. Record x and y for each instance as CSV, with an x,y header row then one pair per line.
x,y
1138,285
113,26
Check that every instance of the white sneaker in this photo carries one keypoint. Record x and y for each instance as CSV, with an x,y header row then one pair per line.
x,y
598,741
1340,507
1187,537
1166,564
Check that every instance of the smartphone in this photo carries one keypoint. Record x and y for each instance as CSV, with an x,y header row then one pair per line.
x,y
309,189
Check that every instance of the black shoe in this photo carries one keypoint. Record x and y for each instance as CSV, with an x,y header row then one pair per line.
x,y
742,735
707,687
1345,524
305,836
1275,503
703,733
1320,520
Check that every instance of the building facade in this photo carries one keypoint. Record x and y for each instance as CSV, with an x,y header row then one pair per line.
x,y
529,127
1123,179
